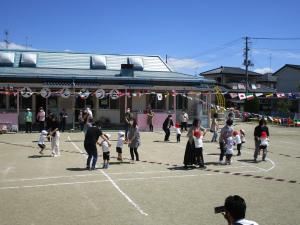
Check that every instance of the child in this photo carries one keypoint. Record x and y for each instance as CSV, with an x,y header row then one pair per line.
x,y
229,149
199,148
264,142
243,136
106,152
41,142
178,132
120,142
237,141
54,134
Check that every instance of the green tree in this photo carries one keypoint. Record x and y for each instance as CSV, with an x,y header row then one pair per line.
x,y
284,106
252,105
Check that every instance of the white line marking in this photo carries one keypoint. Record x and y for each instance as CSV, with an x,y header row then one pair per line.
x,y
123,193
75,146
121,179
115,185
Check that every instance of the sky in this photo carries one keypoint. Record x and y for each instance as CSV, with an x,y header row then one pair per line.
x,y
196,35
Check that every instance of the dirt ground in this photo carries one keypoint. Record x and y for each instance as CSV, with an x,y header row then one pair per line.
x,y
44,190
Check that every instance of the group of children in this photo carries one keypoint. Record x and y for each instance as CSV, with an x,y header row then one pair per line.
x,y
52,136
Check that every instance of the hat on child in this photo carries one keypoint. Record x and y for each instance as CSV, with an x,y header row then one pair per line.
x,y
263,134
121,133
44,132
235,133
197,133
177,125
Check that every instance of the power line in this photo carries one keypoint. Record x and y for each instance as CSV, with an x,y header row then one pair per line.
x,y
277,39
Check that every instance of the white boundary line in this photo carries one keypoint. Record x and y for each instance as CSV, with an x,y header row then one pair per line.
x,y
138,208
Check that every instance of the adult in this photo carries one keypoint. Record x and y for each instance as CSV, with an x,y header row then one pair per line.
x,y
262,126
40,117
128,118
235,211
87,118
63,115
91,139
214,127
28,120
184,120
150,116
226,132
189,155
134,139
80,120
55,135
168,123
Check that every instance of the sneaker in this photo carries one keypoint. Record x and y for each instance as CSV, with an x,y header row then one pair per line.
x,y
104,165
107,165
255,160
221,162
41,152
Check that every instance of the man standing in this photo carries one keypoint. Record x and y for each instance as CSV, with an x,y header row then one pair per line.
x,y
28,120
128,118
184,120
63,120
91,139
41,118
168,123
262,126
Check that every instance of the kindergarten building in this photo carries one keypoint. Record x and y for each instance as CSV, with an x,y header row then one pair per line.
x,y
107,84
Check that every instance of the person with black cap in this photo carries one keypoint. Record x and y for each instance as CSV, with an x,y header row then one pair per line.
x,y
234,211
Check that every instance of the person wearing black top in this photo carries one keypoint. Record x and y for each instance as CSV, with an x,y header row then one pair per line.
x,y
91,139
262,126
63,120
128,118
168,123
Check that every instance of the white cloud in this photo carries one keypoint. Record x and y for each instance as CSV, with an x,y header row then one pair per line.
x,y
263,70
185,64
12,45
277,53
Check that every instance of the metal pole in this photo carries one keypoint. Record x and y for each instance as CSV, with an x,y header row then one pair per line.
x,y
125,100
246,64
18,109
74,103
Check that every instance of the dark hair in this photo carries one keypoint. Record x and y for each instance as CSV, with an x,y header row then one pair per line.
x,y
229,122
97,123
262,122
236,206
215,115
196,122
169,116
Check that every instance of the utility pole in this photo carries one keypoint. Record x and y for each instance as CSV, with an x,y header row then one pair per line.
x,y
166,59
247,62
6,39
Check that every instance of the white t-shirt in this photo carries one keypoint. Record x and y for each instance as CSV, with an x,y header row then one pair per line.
x,y
229,145
264,141
42,137
120,142
105,147
184,117
198,142
178,131
243,138
246,222
237,139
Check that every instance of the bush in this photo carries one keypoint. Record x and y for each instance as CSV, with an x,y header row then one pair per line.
x,y
251,105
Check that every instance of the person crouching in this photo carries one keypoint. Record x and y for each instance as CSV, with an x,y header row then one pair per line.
x,y
41,142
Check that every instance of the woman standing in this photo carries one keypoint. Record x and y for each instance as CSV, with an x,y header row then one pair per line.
x,y
134,139
214,127
189,155
150,116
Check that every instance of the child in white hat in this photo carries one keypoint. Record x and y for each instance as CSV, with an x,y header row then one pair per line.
x,y
106,151
120,143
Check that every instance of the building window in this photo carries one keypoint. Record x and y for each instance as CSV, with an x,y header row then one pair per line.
x,y
13,101
181,102
108,103
26,102
2,101
155,103
114,103
104,103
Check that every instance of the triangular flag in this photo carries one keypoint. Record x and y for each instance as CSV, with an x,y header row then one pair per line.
x,y
249,96
258,94
233,95
269,95
280,95
242,96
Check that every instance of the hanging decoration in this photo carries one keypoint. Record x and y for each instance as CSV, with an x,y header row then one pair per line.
x,y
84,93
114,94
100,94
159,96
45,92
26,92
65,93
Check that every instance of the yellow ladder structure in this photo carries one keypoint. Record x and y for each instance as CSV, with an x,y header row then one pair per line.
x,y
219,97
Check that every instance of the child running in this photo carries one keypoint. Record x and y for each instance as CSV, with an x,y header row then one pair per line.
x,y
106,152
243,136
264,142
41,142
199,148
237,141
229,149
178,132
120,143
